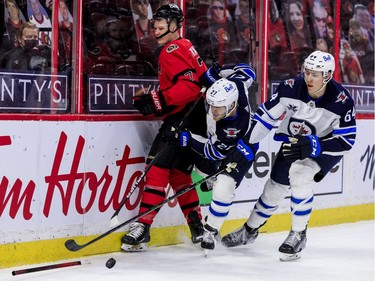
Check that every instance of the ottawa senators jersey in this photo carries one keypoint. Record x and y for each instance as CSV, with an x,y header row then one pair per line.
x,y
331,117
180,67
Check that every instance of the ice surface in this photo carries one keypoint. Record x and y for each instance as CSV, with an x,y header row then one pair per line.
x,y
340,252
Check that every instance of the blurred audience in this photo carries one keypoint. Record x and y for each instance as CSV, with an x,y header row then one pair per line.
x,y
38,15
276,31
298,30
13,22
245,24
320,20
29,55
222,29
66,33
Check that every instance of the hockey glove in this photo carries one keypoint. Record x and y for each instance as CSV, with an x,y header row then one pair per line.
x,y
241,155
180,137
302,147
153,103
210,76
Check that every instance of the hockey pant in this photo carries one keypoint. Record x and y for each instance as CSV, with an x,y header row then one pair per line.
x,y
301,178
155,192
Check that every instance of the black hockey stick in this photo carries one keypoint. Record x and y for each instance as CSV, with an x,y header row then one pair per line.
x,y
46,267
72,245
114,220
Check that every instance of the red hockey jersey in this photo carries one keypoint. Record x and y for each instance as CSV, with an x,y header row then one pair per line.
x,y
180,67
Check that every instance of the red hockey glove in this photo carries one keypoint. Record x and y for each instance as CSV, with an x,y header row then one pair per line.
x,y
153,103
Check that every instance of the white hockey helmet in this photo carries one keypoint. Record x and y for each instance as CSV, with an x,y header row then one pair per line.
x,y
320,61
223,93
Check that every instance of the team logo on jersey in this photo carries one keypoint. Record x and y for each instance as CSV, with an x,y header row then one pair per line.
x,y
342,97
231,132
171,48
300,127
292,107
289,82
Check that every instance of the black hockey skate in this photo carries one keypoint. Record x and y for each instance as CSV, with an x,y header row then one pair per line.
x,y
136,239
293,245
209,239
241,236
196,227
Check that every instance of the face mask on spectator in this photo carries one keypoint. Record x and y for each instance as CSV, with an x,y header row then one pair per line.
x,y
30,44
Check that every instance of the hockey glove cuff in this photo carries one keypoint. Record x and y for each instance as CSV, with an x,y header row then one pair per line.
x,y
153,103
302,147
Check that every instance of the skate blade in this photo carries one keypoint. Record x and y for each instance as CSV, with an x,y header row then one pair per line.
x,y
142,247
290,257
205,253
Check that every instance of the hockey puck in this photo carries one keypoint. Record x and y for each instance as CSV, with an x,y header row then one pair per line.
x,y
110,263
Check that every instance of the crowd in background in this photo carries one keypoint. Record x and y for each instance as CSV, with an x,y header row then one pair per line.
x,y
119,39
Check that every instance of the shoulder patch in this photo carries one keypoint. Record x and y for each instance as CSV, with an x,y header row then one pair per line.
x,y
171,48
341,97
289,82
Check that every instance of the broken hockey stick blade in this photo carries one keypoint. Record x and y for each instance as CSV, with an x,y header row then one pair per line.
x,y
114,219
73,246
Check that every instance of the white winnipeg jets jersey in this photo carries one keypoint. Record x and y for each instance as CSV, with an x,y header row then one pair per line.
x,y
331,117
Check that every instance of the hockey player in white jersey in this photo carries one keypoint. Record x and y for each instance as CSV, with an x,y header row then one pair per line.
x,y
317,129
228,121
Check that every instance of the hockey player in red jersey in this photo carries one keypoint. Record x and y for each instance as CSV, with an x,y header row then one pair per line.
x,y
180,67
317,129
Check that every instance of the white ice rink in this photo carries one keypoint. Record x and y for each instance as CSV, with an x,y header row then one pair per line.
x,y
340,252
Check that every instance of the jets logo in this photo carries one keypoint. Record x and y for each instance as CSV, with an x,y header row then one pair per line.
x,y
300,127
171,48
342,97
289,82
231,132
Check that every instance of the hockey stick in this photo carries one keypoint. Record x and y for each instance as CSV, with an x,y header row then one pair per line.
x,y
72,245
114,219
46,267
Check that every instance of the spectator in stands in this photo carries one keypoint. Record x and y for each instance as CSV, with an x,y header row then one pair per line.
x,y
38,15
357,39
246,28
145,34
298,30
222,30
321,45
29,55
143,22
362,15
352,71
276,35
13,22
320,20
66,32
330,35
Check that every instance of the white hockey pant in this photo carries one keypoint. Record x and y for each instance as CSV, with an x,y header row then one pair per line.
x,y
301,177
223,193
